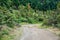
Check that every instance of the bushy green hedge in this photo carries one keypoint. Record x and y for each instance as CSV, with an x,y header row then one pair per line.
x,y
7,17
10,16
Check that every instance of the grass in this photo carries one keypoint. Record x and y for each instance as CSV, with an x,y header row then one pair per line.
x,y
55,30
14,33
5,33
10,33
50,28
7,37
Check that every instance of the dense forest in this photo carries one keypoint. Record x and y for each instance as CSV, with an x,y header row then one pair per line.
x,y
14,12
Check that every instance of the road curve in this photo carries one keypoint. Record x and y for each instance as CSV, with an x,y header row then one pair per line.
x,y
32,33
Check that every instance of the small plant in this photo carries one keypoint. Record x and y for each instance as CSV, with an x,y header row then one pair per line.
x,y
5,32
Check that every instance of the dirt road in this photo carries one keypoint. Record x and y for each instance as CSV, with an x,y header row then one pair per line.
x,y
33,33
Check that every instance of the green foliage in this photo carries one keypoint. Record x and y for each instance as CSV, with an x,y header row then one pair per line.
x,y
14,12
5,32
35,4
53,17
6,17
41,4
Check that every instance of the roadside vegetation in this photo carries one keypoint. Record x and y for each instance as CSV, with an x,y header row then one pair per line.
x,y
13,13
